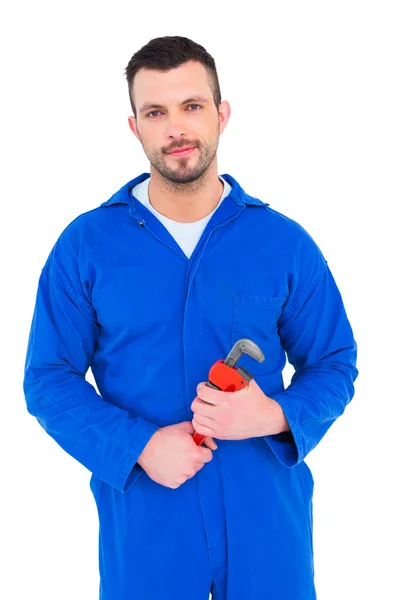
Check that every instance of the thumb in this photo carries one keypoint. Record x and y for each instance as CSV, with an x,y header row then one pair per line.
x,y
186,426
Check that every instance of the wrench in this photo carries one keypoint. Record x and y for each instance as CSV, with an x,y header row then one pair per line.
x,y
225,376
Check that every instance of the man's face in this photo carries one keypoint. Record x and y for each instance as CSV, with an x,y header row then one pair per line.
x,y
175,109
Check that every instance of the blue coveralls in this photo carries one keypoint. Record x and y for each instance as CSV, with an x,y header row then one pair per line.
x,y
118,294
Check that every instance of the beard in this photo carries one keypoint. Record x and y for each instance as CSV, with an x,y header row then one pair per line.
x,y
186,169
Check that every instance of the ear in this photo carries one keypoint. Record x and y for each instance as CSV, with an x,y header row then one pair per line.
x,y
133,126
224,112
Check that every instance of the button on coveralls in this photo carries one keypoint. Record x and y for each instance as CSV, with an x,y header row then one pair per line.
x,y
117,294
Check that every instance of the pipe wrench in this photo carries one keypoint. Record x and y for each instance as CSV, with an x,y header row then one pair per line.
x,y
225,376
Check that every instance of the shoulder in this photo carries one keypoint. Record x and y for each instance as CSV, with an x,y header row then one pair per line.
x,y
290,235
70,239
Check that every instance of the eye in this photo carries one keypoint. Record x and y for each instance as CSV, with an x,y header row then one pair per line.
x,y
157,111
152,113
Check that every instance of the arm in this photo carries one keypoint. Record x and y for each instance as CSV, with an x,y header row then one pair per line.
x,y
319,343
104,438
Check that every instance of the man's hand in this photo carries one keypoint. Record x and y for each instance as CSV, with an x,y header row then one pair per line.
x,y
237,415
171,456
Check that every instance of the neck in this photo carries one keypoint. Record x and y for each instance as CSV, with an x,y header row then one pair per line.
x,y
185,202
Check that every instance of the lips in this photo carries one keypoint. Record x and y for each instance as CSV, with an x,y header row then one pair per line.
x,y
181,150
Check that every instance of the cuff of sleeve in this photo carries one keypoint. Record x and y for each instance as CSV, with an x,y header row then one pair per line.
x,y
130,470
287,445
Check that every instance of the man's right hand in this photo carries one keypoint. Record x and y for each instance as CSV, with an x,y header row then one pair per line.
x,y
171,456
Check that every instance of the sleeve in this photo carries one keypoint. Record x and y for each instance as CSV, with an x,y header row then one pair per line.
x,y
318,340
104,438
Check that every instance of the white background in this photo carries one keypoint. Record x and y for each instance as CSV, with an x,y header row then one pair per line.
x,y
314,131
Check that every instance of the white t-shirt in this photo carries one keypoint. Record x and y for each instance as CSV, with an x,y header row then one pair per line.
x,y
186,234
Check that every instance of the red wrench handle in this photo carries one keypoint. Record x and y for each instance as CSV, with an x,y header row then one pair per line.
x,y
224,378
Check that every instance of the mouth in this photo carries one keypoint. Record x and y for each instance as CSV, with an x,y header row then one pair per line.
x,y
182,152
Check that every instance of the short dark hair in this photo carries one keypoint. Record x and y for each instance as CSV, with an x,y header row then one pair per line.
x,y
169,52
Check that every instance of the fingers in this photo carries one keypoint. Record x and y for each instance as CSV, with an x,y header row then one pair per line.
x,y
210,443
206,455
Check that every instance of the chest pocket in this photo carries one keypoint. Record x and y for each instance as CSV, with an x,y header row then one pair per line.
x,y
256,317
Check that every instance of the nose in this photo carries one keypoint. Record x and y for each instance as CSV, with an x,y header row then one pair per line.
x,y
175,127
176,131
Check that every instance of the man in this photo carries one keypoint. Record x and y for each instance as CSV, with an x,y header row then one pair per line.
x,y
150,289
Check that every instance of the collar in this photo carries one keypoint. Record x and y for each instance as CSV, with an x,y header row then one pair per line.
x,y
237,193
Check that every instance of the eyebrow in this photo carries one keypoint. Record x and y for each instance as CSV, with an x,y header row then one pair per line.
x,y
149,105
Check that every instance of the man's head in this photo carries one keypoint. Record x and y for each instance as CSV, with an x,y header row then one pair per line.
x,y
176,101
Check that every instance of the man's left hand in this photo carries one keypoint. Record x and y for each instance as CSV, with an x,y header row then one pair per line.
x,y
236,415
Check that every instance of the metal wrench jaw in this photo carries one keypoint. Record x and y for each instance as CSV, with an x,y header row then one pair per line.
x,y
244,346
